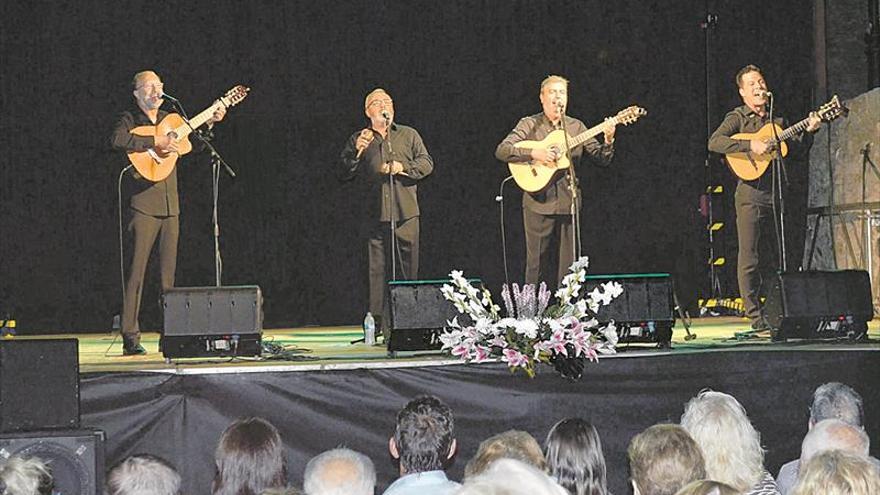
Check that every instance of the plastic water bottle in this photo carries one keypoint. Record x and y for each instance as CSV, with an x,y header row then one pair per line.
x,y
369,329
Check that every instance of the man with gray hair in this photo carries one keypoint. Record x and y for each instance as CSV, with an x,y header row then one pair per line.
x,y
25,476
831,401
339,471
143,474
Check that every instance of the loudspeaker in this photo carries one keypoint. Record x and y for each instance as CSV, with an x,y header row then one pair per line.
x,y
418,314
75,457
39,384
212,322
820,304
645,312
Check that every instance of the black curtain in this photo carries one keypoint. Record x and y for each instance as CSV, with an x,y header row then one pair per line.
x,y
462,73
180,417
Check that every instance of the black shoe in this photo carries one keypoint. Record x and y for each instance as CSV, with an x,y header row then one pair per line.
x,y
135,350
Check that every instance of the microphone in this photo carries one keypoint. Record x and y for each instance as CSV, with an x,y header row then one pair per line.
x,y
387,116
166,96
767,94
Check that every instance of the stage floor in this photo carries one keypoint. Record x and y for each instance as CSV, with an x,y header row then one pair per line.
x,y
322,348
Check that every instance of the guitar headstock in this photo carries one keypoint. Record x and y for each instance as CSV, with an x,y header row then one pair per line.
x,y
235,95
630,114
832,110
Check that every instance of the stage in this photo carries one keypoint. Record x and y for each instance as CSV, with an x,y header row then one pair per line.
x,y
334,393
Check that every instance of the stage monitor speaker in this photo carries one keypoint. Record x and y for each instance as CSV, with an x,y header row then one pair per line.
x,y
212,322
419,313
645,312
75,457
820,304
39,384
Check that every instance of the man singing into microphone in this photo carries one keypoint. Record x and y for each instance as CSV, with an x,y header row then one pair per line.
x,y
753,199
392,158
547,214
154,206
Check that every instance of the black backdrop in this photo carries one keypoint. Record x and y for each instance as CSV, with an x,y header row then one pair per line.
x,y
461,72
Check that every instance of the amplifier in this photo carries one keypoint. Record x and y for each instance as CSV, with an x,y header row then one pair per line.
x,y
212,322
419,313
820,304
645,312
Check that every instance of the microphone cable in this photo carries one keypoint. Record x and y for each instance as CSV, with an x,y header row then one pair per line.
x,y
121,254
500,200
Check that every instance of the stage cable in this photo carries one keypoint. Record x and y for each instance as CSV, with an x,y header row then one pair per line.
x,y
500,200
121,254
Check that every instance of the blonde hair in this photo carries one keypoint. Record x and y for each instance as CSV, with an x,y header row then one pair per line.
x,y
143,474
707,487
512,444
553,79
835,472
730,444
663,458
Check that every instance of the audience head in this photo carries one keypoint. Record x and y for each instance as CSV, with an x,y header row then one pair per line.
x,y
708,487
250,459
143,474
25,476
339,472
510,477
574,457
837,401
423,439
662,459
835,472
833,434
512,444
730,444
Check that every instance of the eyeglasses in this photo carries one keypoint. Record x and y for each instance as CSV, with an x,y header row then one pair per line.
x,y
386,102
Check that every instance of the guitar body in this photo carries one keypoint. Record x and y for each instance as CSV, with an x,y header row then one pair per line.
x,y
152,164
747,165
535,176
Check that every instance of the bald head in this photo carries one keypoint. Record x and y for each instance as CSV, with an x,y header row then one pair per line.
x,y
340,472
834,434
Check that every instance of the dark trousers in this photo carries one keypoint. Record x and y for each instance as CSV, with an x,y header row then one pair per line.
x,y
543,233
145,229
378,246
756,258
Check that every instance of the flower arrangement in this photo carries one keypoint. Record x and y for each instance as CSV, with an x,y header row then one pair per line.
x,y
533,330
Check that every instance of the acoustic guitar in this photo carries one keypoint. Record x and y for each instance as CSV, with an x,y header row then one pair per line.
x,y
749,166
155,165
534,176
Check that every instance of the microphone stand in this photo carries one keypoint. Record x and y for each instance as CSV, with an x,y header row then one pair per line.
x,y
216,162
572,186
778,176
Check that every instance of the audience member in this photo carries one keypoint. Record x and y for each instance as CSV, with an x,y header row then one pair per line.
x,y
833,434
663,459
512,444
143,474
510,477
249,459
25,476
339,471
835,472
730,444
574,457
423,442
707,487
832,400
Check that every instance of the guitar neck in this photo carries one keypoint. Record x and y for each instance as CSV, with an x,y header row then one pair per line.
x,y
794,129
591,133
197,121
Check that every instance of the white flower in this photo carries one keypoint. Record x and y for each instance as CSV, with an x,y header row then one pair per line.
x,y
580,264
529,328
451,338
610,333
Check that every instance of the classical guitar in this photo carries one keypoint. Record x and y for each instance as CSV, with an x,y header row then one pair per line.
x,y
534,176
749,166
155,165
